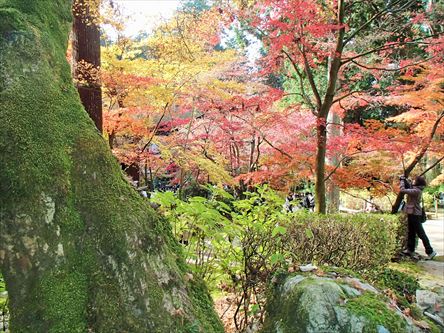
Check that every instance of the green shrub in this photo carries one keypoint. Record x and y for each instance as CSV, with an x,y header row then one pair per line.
x,y
357,242
236,243
428,200
202,225
401,236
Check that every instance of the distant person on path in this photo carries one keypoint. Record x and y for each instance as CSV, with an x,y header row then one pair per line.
x,y
414,212
309,201
289,204
370,206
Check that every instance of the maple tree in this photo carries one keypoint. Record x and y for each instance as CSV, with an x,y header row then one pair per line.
x,y
321,46
395,145
222,120
149,93
424,97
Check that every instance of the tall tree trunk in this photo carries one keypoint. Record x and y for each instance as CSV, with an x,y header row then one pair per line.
x,y
86,58
333,130
320,204
79,249
324,110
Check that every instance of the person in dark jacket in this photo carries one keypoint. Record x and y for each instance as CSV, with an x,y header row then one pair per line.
x,y
414,211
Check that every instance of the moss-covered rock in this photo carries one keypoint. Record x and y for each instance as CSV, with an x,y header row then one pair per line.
x,y
304,304
79,249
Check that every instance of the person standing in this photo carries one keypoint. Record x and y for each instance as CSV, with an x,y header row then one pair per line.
x,y
289,203
414,212
309,201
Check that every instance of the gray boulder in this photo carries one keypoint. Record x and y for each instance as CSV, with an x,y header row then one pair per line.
x,y
311,304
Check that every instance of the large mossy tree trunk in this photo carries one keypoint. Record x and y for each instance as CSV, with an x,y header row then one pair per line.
x,y
79,249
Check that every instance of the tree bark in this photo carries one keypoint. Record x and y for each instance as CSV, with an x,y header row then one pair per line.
x,y
86,59
333,130
321,206
80,250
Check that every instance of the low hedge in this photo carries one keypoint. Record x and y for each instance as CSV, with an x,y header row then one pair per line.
x,y
358,242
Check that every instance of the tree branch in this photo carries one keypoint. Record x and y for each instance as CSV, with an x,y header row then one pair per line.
x,y
425,147
311,80
391,69
301,82
386,47
432,166
373,18
276,148
344,158
345,96
358,197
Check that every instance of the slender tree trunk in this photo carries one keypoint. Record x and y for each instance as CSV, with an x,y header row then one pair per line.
x,y
111,138
321,129
86,59
333,130
324,109
79,249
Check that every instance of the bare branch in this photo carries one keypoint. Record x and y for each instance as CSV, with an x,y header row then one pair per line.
x,y
311,80
416,41
374,17
432,166
301,82
391,69
345,96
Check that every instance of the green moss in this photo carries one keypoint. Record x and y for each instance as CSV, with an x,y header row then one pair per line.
x,y
204,304
3,302
293,310
63,299
406,266
10,18
433,327
370,306
2,284
400,282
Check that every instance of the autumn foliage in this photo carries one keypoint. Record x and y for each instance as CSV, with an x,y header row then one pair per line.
x,y
182,104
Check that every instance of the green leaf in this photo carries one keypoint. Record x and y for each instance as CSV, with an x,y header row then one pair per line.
x,y
224,207
278,230
198,199
276,257
309,233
